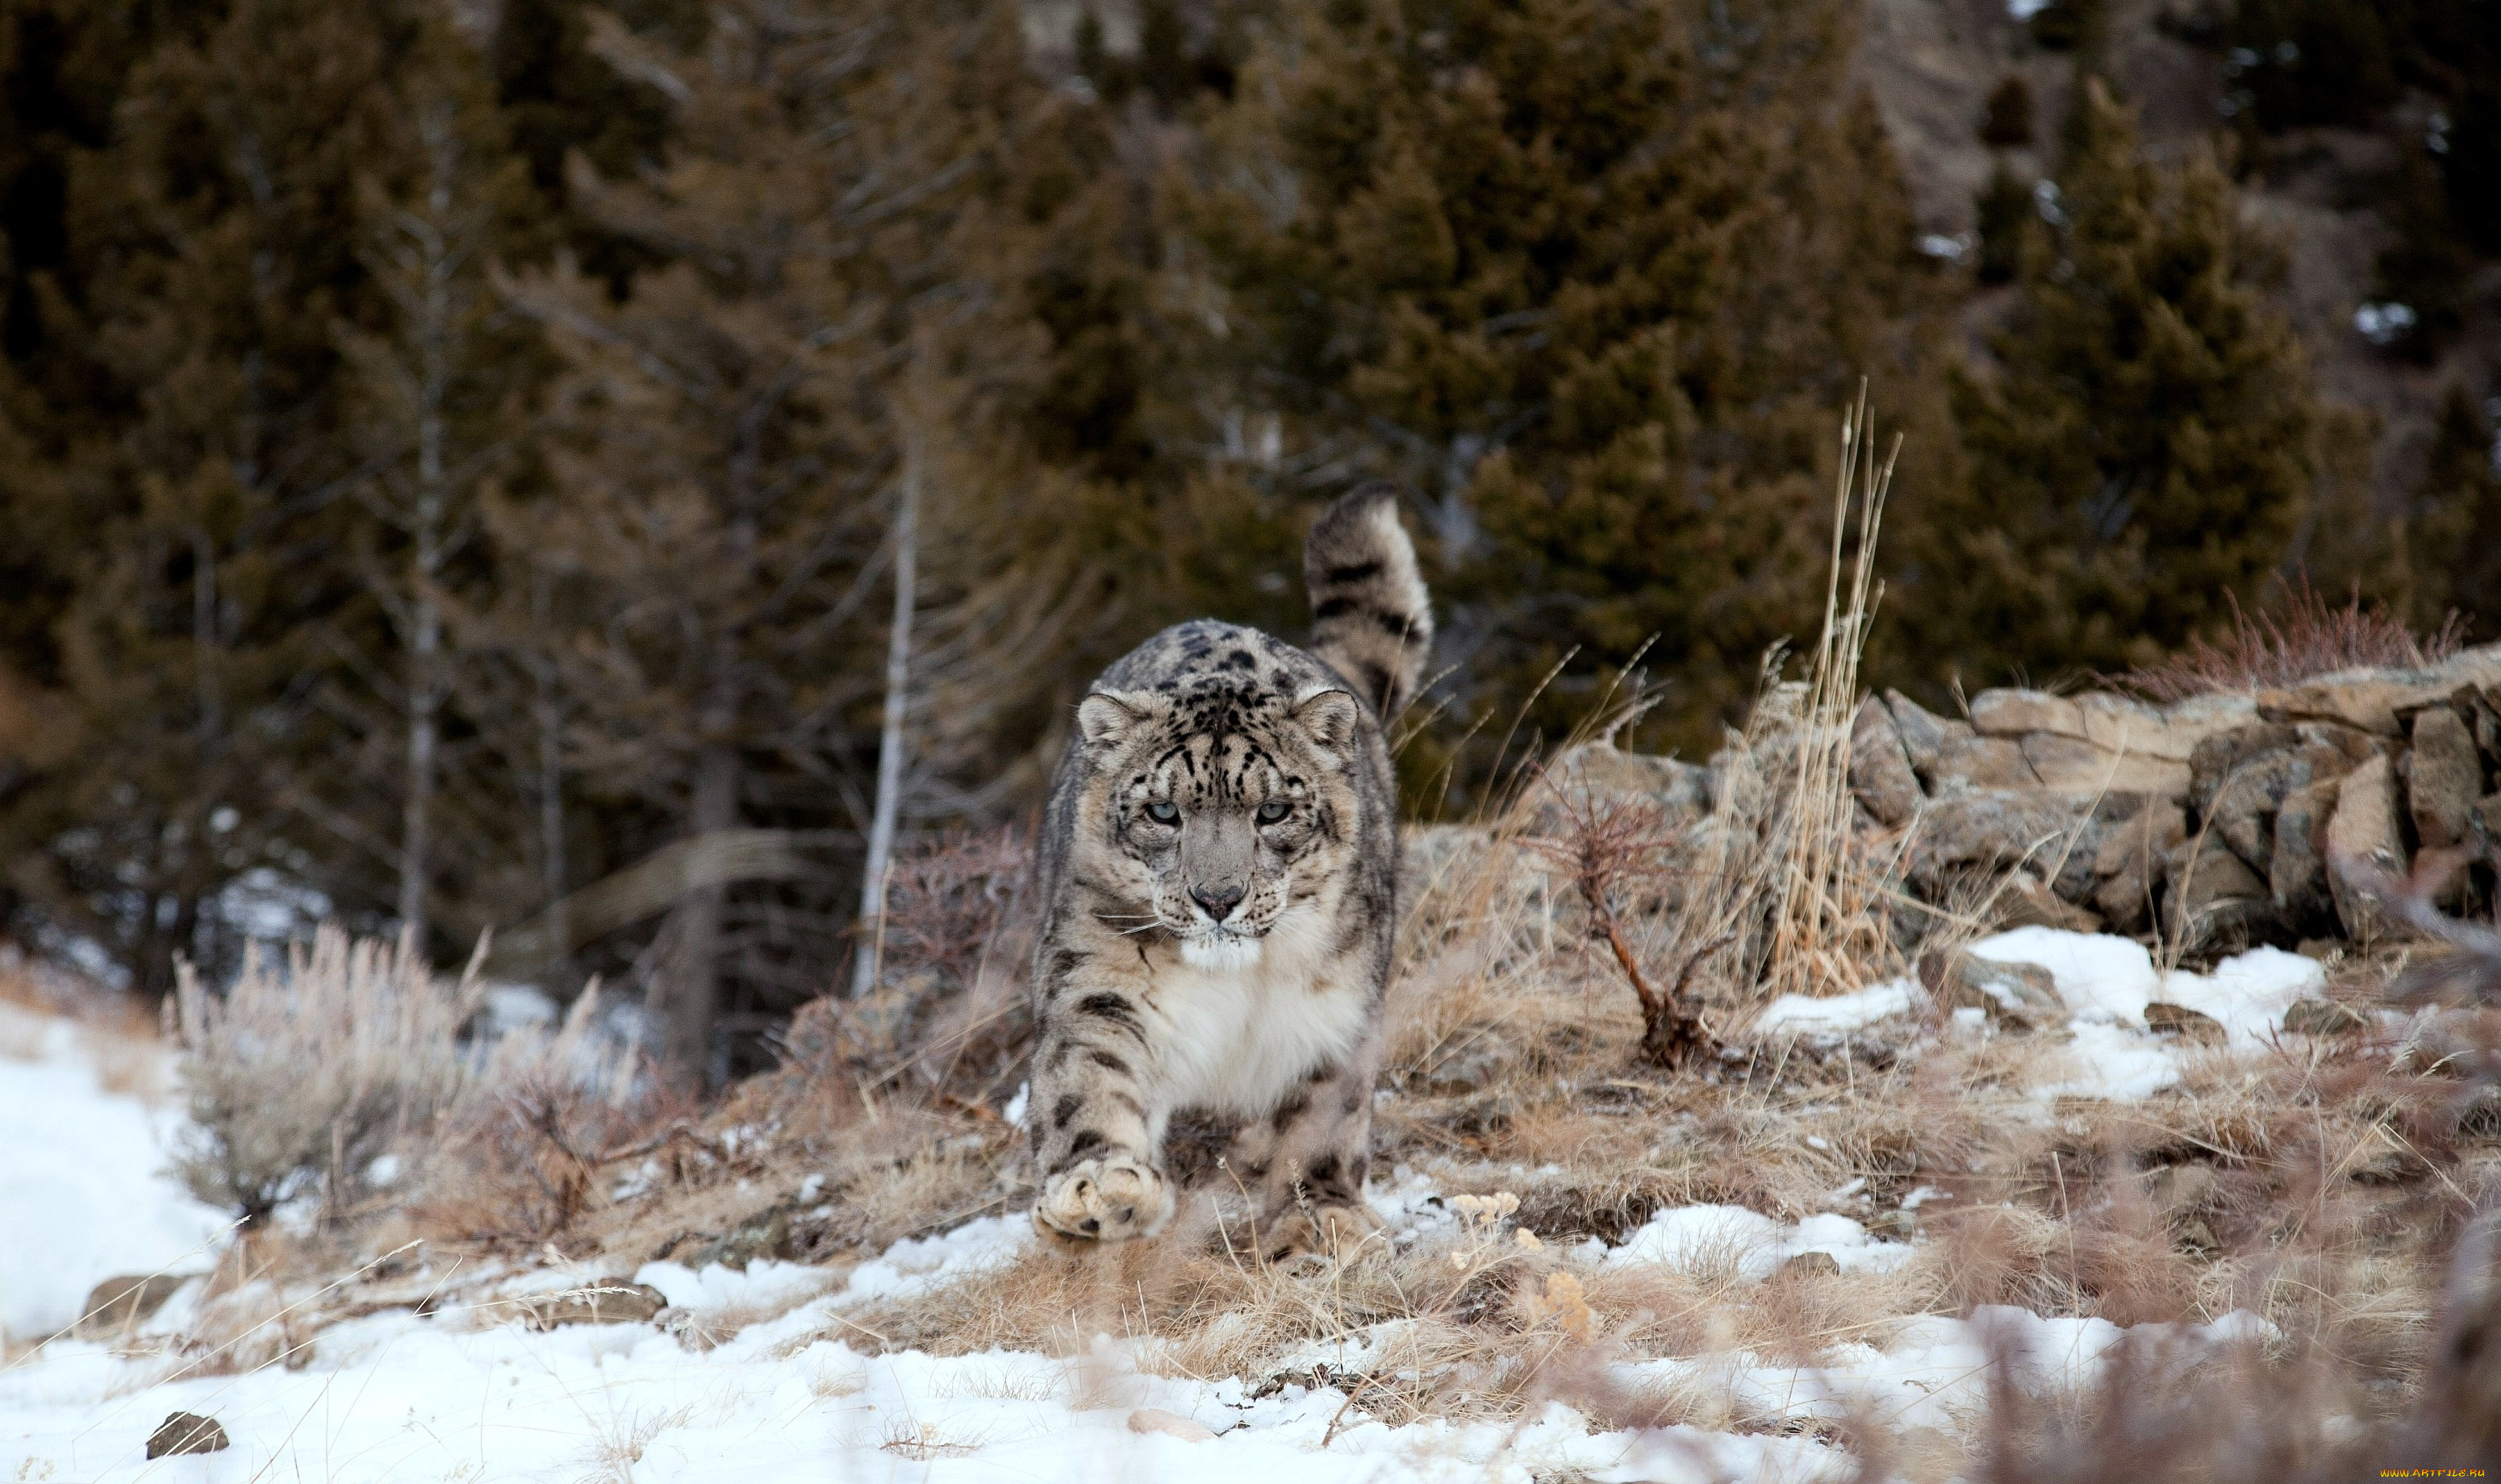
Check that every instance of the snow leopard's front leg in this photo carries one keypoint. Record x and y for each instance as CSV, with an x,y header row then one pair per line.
x,y
1311,1158
1097,1124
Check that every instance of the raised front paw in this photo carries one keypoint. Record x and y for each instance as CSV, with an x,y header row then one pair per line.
x,y
1104,1200
1333,1232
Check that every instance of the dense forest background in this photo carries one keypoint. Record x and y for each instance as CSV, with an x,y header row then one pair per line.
x,y
452,453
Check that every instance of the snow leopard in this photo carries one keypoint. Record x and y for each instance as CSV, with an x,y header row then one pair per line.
x,y
1218,874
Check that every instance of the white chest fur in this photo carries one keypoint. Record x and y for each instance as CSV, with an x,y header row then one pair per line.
x,y
1239,1039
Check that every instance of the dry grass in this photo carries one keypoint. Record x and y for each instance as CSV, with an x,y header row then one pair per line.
x,y
2302,635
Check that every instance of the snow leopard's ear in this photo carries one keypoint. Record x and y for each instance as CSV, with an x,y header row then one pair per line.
x,y
1330,717
1107,718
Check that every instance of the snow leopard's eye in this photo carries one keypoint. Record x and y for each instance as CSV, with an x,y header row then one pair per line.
x,y
1162,812
1274,812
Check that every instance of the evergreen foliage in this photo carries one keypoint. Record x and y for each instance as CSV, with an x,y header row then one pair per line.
x,y
1546,263
2148,448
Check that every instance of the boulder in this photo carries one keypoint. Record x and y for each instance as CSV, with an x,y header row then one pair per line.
x,y
2191,721
2214,892
2021,712
1807,1264
2027,901
1923,733
1992,828
1879,769
609,1301
2297,858
2167,1019
2245,802
2363,847
2129,865
2378,700
2324,1017
2443,778
2223,756
116,1307
1604,769
2019,996
185,1433
2071,765
1967,763
2124,725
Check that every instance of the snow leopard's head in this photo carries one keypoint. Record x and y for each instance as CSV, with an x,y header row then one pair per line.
x,y
1222,806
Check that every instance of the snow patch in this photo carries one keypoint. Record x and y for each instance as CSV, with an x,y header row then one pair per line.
x,y
85,1195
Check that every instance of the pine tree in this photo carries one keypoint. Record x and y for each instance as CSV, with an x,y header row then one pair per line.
x,y
721,449
1590,278
192,501
2147,447
432,391
2454,540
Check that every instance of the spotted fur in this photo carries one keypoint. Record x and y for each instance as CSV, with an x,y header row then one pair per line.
x,y
1219,866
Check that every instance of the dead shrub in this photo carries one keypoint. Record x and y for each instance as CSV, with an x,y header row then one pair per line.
x,y
300,1079
2303,636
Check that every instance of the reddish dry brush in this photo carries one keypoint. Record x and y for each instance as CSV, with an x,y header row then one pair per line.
x,y
1609,845
2303,636
524,1166
948,903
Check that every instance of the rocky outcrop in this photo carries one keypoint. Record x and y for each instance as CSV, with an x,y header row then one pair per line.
x,y
2275,814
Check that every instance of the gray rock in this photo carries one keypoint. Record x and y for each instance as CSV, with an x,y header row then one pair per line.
x,y
2443,778
2297,864
2122,724
2324,1017
2027,901
1991,828
2224,754
2181,1190
2364,848
2167,1019
2073,766
1807,1264
1879,769
185,1433
2213,893
2021,712
2242,805
1683,788
116,1307
1967,763
2020,996
2129,865
1923,733
2378,700
609,1301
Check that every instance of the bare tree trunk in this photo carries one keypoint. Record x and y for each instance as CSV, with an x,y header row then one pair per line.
x,y
890,746
689,987
436,260
548,716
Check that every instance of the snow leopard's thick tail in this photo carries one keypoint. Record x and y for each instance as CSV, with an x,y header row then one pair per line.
x,y
1372,621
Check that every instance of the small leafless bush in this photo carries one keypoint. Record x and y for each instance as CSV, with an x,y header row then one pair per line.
x,y
299,1078
1606,845
2302,637
946,1017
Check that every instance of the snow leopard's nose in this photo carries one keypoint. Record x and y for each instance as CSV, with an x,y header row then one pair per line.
x,y
1217,900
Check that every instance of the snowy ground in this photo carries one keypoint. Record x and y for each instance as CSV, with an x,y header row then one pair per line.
x,y
82,1193
467,1392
